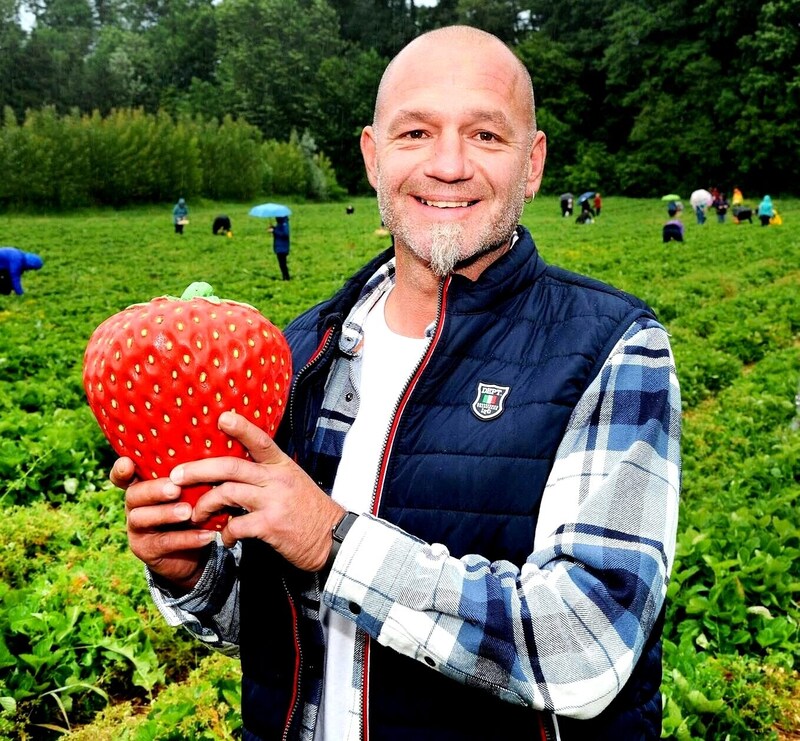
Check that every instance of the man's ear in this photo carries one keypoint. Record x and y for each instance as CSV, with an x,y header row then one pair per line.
x,y
369,152
536,164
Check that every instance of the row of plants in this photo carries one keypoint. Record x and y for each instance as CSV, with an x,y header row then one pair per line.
x,y
129,156
81,647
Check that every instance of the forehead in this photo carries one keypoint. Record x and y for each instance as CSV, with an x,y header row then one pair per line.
x,y
449,78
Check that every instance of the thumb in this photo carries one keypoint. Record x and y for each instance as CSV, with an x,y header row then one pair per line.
x,y
261,447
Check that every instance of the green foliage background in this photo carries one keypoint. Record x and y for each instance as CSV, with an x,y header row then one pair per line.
x,y
81,647
129,156
639,97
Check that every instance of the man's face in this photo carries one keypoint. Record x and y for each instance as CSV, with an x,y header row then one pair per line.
x,y
451,155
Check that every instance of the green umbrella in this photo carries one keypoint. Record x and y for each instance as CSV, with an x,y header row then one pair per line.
x,y
671,197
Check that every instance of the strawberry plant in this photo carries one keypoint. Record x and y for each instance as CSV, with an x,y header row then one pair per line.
x,y
81,645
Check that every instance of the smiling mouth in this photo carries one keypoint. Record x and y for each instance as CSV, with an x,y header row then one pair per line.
x,y
446,204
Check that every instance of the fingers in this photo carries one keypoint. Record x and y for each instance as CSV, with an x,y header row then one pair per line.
x,y
178,556
261,446
212,471
231,495
159,516
152,545
297,527
242,484
160,532
122,473
262,450
150,492
152,506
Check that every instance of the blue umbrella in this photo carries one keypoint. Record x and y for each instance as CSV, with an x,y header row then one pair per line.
x,y
585,196
270,210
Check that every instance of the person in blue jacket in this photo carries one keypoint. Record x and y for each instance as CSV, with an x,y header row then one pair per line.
x,y
465,525
13,263
280,243
180,214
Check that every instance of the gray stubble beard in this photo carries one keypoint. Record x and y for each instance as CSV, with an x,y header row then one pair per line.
x,y
446,240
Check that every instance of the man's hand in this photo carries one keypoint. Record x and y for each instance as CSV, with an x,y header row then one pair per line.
x,y
284,507
153,514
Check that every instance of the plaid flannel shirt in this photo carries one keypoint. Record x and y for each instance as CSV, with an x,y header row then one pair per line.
x,y
610,505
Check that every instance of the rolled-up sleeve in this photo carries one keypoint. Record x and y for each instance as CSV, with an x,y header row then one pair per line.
x,y
211,610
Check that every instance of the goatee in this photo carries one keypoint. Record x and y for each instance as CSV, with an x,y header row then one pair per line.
x,y
446,241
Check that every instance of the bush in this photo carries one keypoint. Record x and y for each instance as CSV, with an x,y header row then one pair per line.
x,y
130,156
296,168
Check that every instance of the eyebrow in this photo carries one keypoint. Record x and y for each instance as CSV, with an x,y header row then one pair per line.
x,y
406,117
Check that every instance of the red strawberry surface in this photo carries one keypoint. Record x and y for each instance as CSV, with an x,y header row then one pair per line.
x,y
158,375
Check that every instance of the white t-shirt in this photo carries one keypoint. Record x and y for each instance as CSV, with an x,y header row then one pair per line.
x,y
387,362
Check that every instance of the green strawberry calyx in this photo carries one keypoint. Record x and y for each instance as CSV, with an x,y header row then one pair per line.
x,y
199,289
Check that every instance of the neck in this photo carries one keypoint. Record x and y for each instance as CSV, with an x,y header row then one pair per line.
x,y
414,301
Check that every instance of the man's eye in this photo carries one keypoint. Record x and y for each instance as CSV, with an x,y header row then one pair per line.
x,y
415,134
487,136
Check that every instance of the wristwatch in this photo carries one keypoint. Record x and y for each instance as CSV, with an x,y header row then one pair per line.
x,y
338,534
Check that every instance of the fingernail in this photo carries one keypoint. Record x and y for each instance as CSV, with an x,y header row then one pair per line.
x,y
206,536
177,475
171,491
183,511
226,418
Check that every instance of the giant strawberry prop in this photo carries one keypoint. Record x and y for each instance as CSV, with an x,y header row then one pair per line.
x,y
158,375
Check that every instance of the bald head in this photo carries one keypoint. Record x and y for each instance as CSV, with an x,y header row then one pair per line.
x,y
452,44
453,151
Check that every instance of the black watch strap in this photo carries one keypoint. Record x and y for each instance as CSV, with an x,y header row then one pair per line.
x,y
338,534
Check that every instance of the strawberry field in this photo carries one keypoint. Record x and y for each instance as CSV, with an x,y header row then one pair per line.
x,y
84,655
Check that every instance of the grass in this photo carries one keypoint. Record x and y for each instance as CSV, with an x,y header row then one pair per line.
x,y
729,295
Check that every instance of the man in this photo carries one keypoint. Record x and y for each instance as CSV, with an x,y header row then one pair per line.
x,y
673,229
280,244
504,435
13,263
180,215
566,204
222,225
721,206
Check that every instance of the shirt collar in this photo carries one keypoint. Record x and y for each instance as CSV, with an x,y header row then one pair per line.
x,y
382,281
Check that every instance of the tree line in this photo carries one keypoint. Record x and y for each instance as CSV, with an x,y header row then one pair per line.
x,y
130,156
637,97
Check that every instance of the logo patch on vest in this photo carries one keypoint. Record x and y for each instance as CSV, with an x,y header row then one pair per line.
x,y
489,402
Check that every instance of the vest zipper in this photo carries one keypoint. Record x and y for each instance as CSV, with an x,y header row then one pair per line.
x,y
404,396
315,356
548,728
298,665
388,440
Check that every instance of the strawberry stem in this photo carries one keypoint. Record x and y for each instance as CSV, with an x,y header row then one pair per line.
x,y
198,289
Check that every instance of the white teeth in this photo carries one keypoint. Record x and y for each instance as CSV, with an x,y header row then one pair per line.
x,y
446,204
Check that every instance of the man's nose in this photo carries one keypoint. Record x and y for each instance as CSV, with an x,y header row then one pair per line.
x,y
449,160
